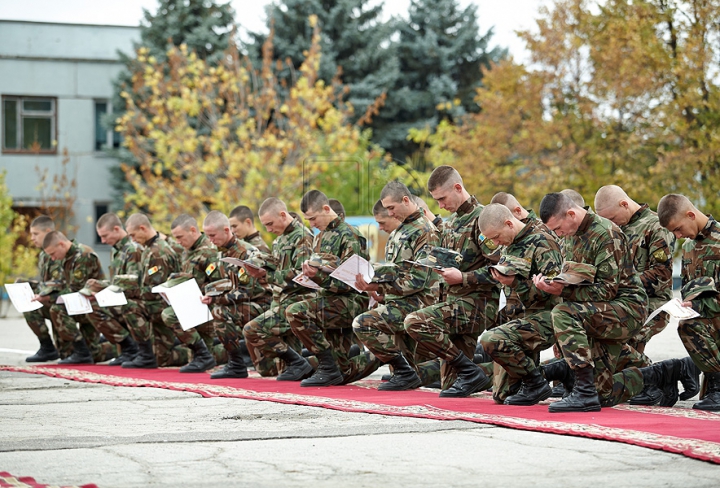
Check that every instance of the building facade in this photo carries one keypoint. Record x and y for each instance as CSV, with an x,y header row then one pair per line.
x,y
56,86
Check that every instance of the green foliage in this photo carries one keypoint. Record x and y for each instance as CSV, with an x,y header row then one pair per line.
x,y
16,260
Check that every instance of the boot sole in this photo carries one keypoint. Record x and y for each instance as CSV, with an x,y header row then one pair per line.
x,y
215,376
390,387
306,372
474,388
335,381
542,397
586,409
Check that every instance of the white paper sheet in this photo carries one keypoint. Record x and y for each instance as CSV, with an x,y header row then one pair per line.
x,y
675,309
503,300
75,303
185,302
109,298
303,280
21,297
353,266
239,262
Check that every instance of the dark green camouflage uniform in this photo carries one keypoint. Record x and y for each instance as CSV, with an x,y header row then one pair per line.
x,y
248,298
454,325
516,344
200,262
595,321
79,265
382,329
109,321
323,320
269,334
257,241
143,312
701,335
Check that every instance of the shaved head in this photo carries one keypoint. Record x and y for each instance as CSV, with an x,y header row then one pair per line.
x,y
53,238
443,176
272,206
673,206
216,220
493,216
136,220
184,221
507,199
609,196
574,196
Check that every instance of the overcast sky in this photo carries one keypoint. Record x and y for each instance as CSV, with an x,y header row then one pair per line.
x,y
505,16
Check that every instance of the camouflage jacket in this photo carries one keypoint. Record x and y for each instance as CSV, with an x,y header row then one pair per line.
x,y
124,257
651,246
602,244
245,287
257,241
49,270
341,240
542,251
175,245
289,251
410,242
462,234
701,258
201,261
157,262
79,265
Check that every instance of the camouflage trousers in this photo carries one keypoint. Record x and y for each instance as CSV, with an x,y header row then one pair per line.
x,y
229,319
594,334
701,338
515,346
324,323
268,335
204,332
109,321
652,328
446,329
36,322
144,320
72,328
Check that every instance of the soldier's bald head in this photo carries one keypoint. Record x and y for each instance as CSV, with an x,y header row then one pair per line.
x,y
494,216
504,198
396,191
53,238
379,209
138,220
609,196
184,221
43,222
314,201
216,220
575,196
272,206
443,176
108,221
672,206
555,205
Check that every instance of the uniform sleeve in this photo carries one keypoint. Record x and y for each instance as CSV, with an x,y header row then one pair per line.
x,y
548,260
165,264
412,279
300,252
608,262
659,271
349,246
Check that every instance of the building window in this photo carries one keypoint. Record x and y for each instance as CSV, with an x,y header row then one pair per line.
x,y
104,138
29,125
101,208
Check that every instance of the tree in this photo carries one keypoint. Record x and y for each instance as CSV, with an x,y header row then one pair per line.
x,y
441,52
211,137
16,259
622,92
204,26
355,43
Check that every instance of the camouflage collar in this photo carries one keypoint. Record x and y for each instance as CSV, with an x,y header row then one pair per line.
x,y
334,224
641,211
707,229
291,227
437,221
413,216
531,216
200,241
585,224
122,243
523,232
152,240
467,206
229,244
251,237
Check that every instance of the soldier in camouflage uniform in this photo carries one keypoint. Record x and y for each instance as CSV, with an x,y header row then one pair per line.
x,y
516,344
143,312
323,320
519,212
701,284
269,335
199,261
450,329
595,320
124,260
242,224
49,271
404,288
77,265
243,298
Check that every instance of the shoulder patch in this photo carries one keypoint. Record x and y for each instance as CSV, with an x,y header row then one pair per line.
x,y
660,256
153,270
209,270
78,274
490,244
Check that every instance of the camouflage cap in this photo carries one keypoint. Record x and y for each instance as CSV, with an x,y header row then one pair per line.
x,y
260,259
439,257
513,265
575,273
176,279
50,287
89,289
325,261
385,273
124,282
699,286
219,287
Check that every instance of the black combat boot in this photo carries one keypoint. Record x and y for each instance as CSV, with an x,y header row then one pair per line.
x,y
711,401
245,354
129,349
584,396
354,351
689,378
235,367
403,378
202,359
559,370
534,389
470,378
145,357
296,367
81,354
480,355
665,376
47,352
558,391
327,372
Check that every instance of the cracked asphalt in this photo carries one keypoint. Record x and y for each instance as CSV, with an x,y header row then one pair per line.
x,y
63,432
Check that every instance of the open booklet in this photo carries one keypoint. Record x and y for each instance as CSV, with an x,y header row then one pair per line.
x,y
184,299
75,303
675,309
21,295
352,267
239,262
303,280
417,263
110,298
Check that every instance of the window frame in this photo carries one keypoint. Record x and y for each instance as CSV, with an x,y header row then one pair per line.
x,y
109,133
20,99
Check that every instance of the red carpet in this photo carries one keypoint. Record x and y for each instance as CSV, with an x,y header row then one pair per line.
x,y
693,433
7,480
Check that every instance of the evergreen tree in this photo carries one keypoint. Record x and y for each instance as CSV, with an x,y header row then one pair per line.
x,y
441,51
205,26
354,39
